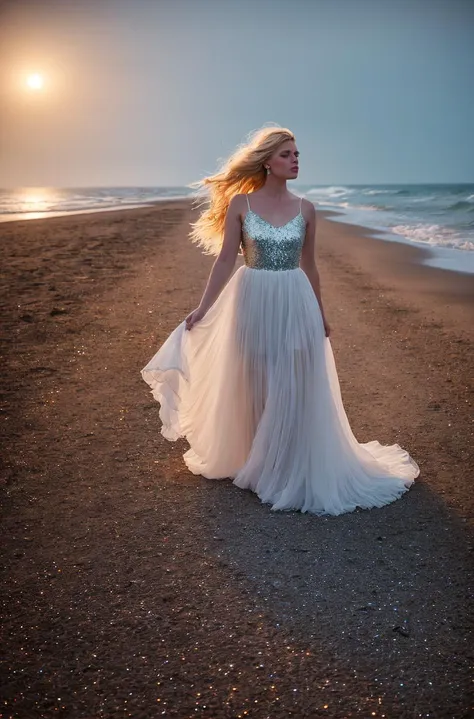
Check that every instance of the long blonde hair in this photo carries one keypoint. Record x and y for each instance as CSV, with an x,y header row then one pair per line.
x,y
242,172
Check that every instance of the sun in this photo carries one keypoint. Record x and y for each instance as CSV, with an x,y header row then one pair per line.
x,y
35,81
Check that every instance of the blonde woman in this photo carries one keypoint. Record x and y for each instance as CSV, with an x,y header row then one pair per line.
x,y
249,377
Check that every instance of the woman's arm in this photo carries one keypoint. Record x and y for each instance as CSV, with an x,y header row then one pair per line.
x,y
308,260
225,262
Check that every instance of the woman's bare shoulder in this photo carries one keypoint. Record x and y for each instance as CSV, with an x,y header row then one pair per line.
x,y
239,199
308,209
238,206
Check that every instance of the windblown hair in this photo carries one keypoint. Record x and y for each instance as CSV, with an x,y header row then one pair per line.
x,y
242,172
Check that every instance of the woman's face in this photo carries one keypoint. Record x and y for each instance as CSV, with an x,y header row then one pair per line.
x,y
284,161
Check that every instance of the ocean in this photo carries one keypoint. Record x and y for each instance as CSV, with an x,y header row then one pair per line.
x,y
434,216
29,203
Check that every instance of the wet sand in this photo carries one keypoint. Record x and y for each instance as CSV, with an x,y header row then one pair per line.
x,y
133,588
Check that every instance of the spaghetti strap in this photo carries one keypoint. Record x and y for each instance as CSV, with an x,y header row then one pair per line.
x,y
248,203
301,202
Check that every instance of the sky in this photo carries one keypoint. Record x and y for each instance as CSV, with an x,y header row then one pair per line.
x,y
159,92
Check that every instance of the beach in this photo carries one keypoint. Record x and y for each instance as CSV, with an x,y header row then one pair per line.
x,y
133,588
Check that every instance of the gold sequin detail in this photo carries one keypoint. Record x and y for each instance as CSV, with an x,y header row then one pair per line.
x,y
266,247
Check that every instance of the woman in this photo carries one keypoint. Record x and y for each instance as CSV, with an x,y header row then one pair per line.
x,y
249,376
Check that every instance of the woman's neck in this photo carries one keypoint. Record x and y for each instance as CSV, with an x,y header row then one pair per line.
x,y
275,187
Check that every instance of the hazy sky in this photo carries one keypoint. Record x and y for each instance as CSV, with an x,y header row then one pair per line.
x,y
156,92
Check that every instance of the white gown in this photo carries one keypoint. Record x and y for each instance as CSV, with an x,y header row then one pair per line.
x,y
253,388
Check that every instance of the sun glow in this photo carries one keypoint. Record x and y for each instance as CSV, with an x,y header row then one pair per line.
x,y
34,198
35,81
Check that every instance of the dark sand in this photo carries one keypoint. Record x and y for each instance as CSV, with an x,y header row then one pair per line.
x,y
133,588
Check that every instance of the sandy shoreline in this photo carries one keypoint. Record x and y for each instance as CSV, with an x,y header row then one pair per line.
x,y
439,293
397,265
132,585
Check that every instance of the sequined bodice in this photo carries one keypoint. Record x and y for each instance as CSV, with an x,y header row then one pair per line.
x,y
266,247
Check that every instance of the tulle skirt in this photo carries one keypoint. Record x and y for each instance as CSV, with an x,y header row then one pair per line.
x,y
253,388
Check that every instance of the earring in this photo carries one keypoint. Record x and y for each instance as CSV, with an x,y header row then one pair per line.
x,y
268,171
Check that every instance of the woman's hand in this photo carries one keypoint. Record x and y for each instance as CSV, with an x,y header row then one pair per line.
x,y
194,316
327,327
